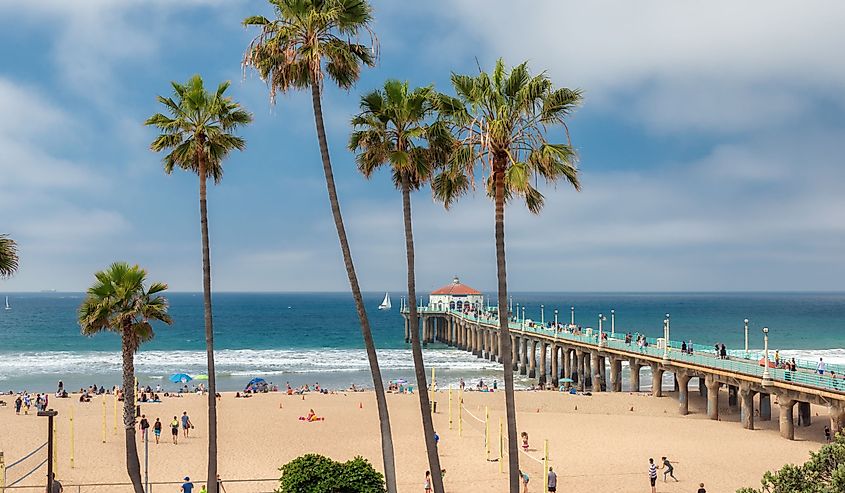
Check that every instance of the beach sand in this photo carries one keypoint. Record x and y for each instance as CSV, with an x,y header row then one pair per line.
x,y
597,443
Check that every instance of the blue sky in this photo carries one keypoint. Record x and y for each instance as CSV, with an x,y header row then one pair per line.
x,y
710,144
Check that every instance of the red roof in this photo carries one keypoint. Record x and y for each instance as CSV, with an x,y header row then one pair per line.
x,y
456,288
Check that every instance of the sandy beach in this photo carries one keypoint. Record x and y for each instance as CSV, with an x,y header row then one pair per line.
x,y
596,443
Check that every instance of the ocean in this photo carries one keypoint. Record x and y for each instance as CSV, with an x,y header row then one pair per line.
x,y
315,337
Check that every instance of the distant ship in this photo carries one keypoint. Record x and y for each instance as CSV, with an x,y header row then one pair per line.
x,y
385,304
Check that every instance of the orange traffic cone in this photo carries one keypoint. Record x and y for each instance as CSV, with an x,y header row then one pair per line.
x,y
360,405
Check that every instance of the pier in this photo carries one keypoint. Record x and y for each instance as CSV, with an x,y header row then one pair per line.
x,y
593,361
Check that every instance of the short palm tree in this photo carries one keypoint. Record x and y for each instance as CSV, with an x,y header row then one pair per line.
x,y
499,123
119,302
305,42
391,131
198,132
8,256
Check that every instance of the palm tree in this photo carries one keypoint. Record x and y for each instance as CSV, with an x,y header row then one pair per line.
x,y
391,131
8,256
307,41
198,134
119,302
499,123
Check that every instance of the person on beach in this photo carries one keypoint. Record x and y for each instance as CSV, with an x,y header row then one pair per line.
x,y
821,366
827,434
427,483
220,484
174,430
652,474
57,486
701,488
723,352
668,469
18,404
524,436
186,423
157,429
144,426
552,481
187,486
524,476
436,439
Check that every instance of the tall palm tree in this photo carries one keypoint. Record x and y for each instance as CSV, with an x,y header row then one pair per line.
x,y
119,302
391,130
305,42
499,123
8,256
199,135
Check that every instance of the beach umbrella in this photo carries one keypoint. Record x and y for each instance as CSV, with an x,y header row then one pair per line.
x,y
180,378
256,381
201,377
566,380
399,381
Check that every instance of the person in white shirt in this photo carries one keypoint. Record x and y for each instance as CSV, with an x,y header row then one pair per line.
x,y
821,366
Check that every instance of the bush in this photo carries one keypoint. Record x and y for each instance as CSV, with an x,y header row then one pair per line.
x,y
823,473
313,473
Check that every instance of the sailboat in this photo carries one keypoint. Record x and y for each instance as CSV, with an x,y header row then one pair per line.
x,y
7,303
385,305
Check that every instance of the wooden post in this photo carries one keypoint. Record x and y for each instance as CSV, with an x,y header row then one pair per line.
x,y
2,473
461,413
487,432
115,410
501,448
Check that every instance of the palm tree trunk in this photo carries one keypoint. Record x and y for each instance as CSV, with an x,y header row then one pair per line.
x,y
499,163
133,464
378,384
416,348
209,333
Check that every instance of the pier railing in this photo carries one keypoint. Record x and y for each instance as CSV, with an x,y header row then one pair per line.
x,y
737,361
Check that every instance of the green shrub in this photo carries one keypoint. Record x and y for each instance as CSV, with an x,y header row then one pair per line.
x,y
823,473
313,473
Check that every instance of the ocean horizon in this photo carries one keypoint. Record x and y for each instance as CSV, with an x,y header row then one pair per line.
x,y
315,336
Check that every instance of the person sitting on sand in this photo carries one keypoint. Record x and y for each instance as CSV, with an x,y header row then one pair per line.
x,y
311,417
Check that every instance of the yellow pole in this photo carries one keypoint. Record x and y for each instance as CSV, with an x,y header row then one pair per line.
x,y
546,466
487,432
2,473
71,437
55,451
450,407
461,413
115,411
104,419
501,448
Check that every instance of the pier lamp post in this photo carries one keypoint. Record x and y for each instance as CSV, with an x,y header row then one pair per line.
x,y
612,323
571,315
767,378
555,329
543,315
510,305
601,319
516,316
523,317
746,337
666,338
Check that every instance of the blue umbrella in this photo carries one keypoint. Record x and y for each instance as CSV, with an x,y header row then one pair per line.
x,y
180,378
256,381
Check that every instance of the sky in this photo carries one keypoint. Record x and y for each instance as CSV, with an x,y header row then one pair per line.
x,y
710,149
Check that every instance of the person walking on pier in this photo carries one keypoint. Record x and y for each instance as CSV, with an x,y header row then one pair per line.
x,y
668,469
652,474
821,366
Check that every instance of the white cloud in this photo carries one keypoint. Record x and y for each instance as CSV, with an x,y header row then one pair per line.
x,y
722,67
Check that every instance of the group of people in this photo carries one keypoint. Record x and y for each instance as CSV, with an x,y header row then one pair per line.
x,y
668,472
185,422
24,401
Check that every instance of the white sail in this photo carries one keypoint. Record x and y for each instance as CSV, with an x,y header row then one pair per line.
x,y
7,303
385,304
